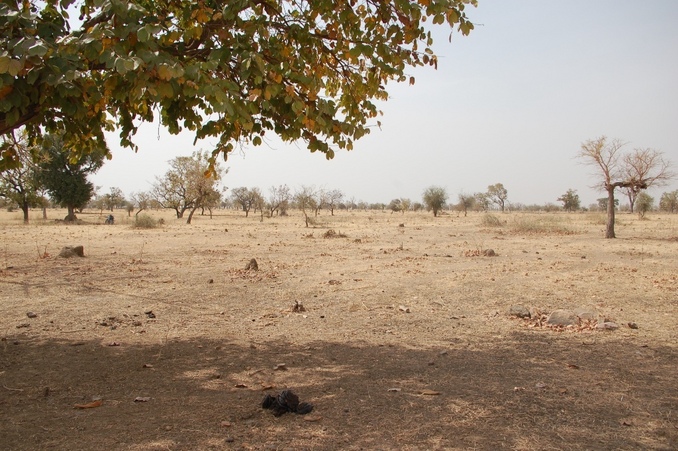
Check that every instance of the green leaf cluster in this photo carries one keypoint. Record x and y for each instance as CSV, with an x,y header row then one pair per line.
x,y
65,178
232,70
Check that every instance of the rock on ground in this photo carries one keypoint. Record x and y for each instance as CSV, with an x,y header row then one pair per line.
x,y
72,251
520,311
586,313
562,317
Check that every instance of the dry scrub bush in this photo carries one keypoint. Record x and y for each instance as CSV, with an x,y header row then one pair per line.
x,y
333,234
490,220
144,221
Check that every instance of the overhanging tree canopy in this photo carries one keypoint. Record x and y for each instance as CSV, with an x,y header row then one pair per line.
x,y
229,69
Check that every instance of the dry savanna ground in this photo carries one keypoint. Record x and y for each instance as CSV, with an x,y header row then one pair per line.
x,y
159,339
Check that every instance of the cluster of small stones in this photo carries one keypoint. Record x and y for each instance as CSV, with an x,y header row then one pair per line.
x,y
579,319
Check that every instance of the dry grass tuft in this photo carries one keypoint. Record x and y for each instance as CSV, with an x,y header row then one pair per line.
x,y
331,233
145,221
491,220
544,225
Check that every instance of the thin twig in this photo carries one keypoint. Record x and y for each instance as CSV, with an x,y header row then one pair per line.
x,y
12,389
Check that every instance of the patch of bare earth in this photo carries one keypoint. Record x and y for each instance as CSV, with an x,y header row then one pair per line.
x,y
161,339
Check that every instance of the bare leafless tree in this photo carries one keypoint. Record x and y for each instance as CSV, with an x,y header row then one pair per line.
x,y
141,200
332,199
278,199
320,200
633,172
645,167
605,156
305,200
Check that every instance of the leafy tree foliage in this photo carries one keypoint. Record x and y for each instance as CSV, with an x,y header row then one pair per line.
x,y
400,205
65,177
497,194
141,201
435,198
247,198
406,204
114,199
211,201
482,201
233,70
466,202
98,203
602,203
669,202
395,205
570,200
644,203
19,185
188,184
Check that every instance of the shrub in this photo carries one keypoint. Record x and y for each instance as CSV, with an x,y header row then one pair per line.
x,y
490,220
331,233
644,203
144,221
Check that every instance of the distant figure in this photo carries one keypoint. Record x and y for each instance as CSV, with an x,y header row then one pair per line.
x,y
110,219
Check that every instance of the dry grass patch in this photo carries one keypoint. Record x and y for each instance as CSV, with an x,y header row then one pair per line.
x,y
491,220
542,224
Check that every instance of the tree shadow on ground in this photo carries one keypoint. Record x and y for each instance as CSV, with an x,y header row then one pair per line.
x,y
527,391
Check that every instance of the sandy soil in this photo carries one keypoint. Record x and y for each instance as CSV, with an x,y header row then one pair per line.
x,y
405,341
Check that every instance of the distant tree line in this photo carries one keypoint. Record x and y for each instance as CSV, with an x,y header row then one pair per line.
x,y
48,175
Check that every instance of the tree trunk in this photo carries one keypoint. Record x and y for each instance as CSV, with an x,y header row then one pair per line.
x,y
190,215
609,230
71,214
632,199
24,208
44,212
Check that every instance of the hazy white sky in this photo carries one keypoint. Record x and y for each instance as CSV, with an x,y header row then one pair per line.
x,y
511,104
